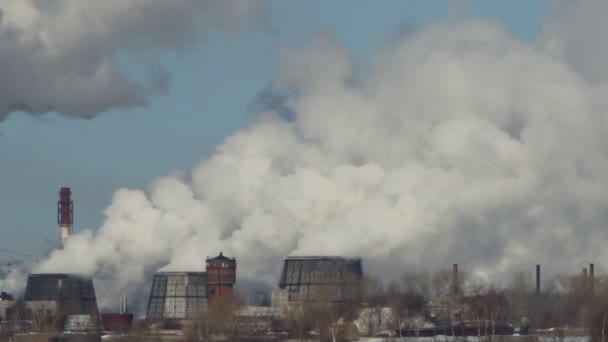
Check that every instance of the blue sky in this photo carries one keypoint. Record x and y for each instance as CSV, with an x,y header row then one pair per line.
x,y
212,86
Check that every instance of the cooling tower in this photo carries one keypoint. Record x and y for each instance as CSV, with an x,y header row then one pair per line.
x,y
60,295
177,295
324,279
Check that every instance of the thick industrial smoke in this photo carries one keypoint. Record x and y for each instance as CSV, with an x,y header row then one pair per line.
x,y
59,55
461,144
576,32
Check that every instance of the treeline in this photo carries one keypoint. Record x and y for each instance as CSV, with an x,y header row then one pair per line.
x,y
565,304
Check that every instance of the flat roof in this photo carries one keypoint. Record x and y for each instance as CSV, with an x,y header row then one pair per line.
x,y
319,257
179,273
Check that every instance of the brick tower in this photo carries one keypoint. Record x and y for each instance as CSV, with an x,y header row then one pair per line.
x,y
221,276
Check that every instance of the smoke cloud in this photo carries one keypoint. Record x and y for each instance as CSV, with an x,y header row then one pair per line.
x,y
576,32
60,55
461,144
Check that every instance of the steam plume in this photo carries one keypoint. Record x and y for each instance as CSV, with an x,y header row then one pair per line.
x,y
462,143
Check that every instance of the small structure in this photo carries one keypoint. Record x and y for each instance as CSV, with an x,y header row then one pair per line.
x,y
119,322
6,302
280,299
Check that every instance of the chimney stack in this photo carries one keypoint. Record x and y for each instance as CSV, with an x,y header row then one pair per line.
x,y
455,289
124,306
591,280
65,214
585,282
537,279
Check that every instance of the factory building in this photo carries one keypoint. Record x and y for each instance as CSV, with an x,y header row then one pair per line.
x,y
54,298
321,279
177,295
120,321
6,302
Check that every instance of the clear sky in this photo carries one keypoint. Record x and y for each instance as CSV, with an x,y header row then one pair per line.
x,y
212,85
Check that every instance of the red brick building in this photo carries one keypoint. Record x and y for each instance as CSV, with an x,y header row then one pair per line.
x,y
221,277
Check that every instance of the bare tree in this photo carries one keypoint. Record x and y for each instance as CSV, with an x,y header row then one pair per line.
x,y
222,321
441,282
405,303
375,300
488,309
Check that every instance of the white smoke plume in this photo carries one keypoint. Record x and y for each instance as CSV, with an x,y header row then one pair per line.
x,y
576,32
60,55
461,144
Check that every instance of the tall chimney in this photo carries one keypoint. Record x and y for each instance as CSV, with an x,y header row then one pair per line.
x,y
455,289
65,214
537,279
124,306
591,280
585,282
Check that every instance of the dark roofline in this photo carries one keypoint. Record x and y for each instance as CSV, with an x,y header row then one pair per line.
x,y
180,273
322,258
221,257
58,275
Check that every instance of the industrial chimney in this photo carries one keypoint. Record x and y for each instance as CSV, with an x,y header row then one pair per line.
x,y
591,280
455,279
65,214
585,286
537,279
124,306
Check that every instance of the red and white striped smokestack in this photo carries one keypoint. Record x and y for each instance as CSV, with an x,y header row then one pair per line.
x,y
65,214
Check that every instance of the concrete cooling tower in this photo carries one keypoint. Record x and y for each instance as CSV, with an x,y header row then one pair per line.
x,y
59,295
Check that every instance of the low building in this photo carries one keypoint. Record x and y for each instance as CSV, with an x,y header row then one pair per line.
x,y
6,302
279,299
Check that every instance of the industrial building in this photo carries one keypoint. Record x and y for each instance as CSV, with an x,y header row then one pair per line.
x,y
320,278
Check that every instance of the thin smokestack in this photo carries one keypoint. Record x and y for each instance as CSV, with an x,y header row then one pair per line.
x,y
65,214
585,286
591,279
455,289
537,279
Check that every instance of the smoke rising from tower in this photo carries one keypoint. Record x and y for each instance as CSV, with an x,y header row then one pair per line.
x,y
460,143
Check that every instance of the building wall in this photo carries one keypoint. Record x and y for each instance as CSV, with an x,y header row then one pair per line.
x,y
279,298
4,305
